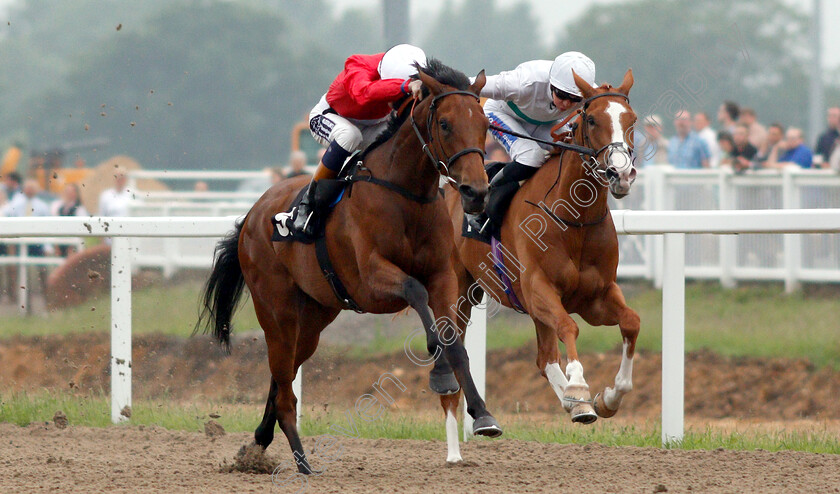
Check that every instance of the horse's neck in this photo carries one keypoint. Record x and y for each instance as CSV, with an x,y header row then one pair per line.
x,y
401,161
572,197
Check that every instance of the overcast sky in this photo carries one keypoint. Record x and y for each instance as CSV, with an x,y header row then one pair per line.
x,y
553,15
551,21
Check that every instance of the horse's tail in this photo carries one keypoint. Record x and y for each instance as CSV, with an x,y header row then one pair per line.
x,y
223,290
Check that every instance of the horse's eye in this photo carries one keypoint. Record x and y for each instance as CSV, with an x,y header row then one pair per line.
x,y
444,126
590,120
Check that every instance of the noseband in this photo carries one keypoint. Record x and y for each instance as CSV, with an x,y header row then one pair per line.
x,y
443,168
591,159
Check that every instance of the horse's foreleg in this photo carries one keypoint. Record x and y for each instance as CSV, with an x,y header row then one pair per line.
x,y
442,295
450,402
450,410
441,378
546,306
616,311
548,358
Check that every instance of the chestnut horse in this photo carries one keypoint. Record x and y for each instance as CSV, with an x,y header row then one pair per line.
x,y
390,245
561,253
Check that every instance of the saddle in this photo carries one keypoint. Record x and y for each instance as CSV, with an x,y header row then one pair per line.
x,y
282,221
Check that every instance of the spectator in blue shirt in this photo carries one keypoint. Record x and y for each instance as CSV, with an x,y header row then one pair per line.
x,y
687,149
791,151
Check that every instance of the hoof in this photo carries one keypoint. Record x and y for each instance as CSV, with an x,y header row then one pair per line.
x,y
575,395
601,407
583,413
487,426
444,384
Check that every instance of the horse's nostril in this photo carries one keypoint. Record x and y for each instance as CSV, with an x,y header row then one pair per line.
x,y
468,192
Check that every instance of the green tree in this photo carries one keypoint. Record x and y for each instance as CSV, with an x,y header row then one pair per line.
x,y
695,54
201,85
477,34
42,39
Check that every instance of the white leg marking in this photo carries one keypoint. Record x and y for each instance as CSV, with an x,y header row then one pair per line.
x,y
556,378
575,373
453,454
623,380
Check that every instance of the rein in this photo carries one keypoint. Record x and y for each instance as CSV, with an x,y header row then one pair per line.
x,y
442,168
586,149
587,154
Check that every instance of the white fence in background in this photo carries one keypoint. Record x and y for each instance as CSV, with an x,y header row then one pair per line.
x,y
23,261
790,258
672,225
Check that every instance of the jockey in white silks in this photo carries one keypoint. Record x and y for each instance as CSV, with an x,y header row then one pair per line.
x,y
530,99
354,110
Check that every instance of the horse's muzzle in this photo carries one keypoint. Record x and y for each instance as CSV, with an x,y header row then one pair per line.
x,y
620,180
473,200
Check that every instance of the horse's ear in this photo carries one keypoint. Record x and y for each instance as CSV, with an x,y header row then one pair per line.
x,y
430,82
585,89
480,81
627,83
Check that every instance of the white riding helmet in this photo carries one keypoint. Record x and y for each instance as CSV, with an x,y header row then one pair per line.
x,y
561,76
398,62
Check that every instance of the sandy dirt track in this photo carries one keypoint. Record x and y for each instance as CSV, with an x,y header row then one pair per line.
x,y
41,457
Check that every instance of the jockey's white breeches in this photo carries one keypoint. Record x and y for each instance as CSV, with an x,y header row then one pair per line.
x,y
349,133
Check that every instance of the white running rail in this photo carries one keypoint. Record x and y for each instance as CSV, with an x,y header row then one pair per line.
x,y
672,225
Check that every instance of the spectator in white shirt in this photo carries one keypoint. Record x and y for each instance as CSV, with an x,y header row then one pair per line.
x,y
115,201
709,136
27,203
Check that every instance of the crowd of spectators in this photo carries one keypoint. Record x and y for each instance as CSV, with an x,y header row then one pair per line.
x,y
25,198
741,142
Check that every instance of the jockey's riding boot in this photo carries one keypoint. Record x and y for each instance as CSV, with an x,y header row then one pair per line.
x,y
504,186
305,218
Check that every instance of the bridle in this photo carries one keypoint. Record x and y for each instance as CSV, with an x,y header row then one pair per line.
x,y
591,159
442,168
362,174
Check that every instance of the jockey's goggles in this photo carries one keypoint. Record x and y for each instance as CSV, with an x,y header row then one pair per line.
x,y
564,95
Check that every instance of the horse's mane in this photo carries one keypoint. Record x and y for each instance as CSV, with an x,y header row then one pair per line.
x,y
438,71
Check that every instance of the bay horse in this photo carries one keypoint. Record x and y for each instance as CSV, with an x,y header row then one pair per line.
x,y
390,244
561,255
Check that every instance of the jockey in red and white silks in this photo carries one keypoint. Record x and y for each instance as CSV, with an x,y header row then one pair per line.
x,y
531,99
354,110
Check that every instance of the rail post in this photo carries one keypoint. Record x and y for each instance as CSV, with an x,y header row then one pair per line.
x,y
792,242
23,279
673,338
728,244
120,328
297,389
475,342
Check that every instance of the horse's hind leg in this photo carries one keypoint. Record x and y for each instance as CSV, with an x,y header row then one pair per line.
x,y
290,342
265,431
617,312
